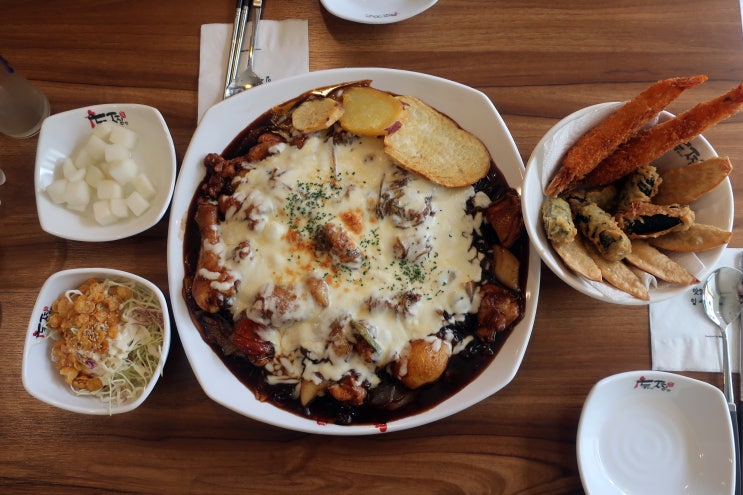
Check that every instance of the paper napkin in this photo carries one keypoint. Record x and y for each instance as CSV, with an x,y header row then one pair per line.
x,y
683,338
282,50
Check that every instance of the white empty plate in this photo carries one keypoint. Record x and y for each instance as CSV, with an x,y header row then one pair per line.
x,y
645,432
376,11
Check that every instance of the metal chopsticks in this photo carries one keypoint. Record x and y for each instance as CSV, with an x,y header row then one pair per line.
x,y
238,33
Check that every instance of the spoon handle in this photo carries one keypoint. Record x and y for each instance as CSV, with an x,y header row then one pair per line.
x,y
736,442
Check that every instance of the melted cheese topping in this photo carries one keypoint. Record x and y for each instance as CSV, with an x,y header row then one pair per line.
x,y
328,234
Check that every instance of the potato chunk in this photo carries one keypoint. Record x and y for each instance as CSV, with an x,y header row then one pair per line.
x,y
316,115
368,111
424,363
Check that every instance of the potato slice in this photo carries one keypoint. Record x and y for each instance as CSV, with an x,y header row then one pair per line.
x,y
619,275
647,258
685,184
369,111
698,237
434,146
576,257
316,115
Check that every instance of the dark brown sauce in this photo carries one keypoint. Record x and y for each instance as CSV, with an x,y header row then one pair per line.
x,y
390,400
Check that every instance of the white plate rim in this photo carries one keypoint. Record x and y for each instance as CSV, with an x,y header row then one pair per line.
x,y
377,12
205,362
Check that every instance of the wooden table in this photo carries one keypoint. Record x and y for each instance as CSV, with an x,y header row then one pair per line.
x,y
538,61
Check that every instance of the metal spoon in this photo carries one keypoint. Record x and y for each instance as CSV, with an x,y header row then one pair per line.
x,y
723,302
248,78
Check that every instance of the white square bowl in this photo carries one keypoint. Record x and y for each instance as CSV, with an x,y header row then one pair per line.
x,y
655,432
41,378
63,134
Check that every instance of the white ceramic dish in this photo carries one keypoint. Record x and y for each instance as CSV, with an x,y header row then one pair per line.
x,y
470,108
377,11
653,432
64,133
715,207
41,378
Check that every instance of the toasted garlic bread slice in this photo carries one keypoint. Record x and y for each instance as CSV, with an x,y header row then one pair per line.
x,y
685,184
648,259
369,111
698,237
316,115
434,146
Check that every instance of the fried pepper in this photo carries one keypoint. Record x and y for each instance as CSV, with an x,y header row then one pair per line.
x,y
558,220
598,227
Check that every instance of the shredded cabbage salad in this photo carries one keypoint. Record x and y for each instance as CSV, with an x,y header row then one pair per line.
x,y
132,356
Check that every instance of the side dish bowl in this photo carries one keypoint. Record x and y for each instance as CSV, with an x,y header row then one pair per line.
x,y
377,12
40,376
714,208
470,108
64,134
655,432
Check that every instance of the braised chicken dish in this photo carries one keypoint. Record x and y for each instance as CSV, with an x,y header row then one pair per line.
x,y
337,280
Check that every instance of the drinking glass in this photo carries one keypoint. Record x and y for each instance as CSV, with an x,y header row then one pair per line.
x,y
22,106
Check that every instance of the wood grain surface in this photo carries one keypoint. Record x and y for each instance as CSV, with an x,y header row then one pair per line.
x,y
538,61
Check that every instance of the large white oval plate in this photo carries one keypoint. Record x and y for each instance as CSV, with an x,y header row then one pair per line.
x,y
469,107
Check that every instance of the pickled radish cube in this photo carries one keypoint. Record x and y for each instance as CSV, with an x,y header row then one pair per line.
x,y
119,207
143,185
115,152
56,189
102,212
95,147
71,172
108,188
123,136
77,193
80,208
123,170
137,203
103,130
93,175
83,159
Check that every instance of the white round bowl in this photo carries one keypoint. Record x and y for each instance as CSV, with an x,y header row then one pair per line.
x,y
654,432
470,108
377,11
41,378
714,208
63,134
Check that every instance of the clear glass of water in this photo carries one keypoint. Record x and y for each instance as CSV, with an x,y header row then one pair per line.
x,y
22,106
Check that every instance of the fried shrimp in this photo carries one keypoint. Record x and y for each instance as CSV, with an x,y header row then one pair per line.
x,y
654,142
602,140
